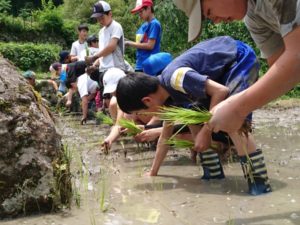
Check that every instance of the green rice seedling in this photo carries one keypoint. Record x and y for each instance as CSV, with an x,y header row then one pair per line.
x,y
76,196
92,219
230,221
124,149
102,205
180,143
102,118
85,182
103,192
130,125
157,186
184,116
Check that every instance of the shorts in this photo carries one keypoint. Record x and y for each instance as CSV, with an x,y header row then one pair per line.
x,y
244,72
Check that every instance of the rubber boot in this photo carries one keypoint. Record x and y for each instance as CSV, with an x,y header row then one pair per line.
x,y
255,172
211,164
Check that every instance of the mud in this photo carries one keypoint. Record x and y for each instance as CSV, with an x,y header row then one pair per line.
x,y
114,190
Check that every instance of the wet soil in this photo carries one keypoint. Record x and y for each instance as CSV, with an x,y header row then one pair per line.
x,y
112,189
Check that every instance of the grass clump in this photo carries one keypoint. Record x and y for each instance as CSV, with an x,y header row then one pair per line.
x,y
130,125
180,143
184,116
102,118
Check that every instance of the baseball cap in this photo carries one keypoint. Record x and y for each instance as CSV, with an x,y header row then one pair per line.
x,y
140,4
92,38
100,8
155,63
63,55
111,79
192,9
29,74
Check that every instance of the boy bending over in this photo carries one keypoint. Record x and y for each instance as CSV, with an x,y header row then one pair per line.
x,y
204,75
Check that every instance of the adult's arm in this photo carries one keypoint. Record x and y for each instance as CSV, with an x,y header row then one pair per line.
x,y
111,47
282,76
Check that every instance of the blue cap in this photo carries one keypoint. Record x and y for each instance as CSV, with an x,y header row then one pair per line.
x,y
63,55
156,63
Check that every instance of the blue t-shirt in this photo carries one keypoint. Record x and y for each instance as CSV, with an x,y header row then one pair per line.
x,y
221,59
147,31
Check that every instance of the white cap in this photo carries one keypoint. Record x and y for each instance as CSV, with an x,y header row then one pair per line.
x,y
192,9
111,79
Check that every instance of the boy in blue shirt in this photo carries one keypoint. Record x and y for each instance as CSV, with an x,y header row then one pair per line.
x,y
148,35
204,75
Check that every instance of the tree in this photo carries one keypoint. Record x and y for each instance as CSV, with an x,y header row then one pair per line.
x,y
5,6
24,14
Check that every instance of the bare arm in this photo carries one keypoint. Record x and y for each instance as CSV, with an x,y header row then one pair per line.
x,y
54,84
272,59
146,46
112,45
162,148
283,75
69,97
74,58
115,130
216,91
84,102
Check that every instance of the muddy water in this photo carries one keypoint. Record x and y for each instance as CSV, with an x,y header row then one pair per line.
x,y
113,189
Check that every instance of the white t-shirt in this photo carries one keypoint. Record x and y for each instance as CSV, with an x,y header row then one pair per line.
x,y
92,51
86,85
116,58
77,48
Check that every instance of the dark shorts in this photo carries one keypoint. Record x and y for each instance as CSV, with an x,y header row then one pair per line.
x,y
98,77
181,129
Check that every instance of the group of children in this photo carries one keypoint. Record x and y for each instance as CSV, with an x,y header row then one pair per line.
x,y
202,77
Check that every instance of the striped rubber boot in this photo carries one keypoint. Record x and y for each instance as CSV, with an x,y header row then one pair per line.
x,y
211,165
255,172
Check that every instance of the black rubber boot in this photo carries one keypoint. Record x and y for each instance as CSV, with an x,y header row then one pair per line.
x,y
212,167
255,172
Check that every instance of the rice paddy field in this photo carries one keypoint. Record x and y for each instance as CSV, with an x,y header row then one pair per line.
x,y
113,190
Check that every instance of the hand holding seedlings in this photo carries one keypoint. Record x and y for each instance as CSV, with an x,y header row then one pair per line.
x,y
148,135
106,145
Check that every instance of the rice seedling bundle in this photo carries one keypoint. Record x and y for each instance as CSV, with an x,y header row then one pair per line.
x,y
130,125
101,117
184,116
180,143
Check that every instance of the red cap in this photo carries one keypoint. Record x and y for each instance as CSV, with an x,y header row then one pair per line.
x,y
140,4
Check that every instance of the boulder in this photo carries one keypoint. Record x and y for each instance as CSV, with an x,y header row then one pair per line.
x,y
34,170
